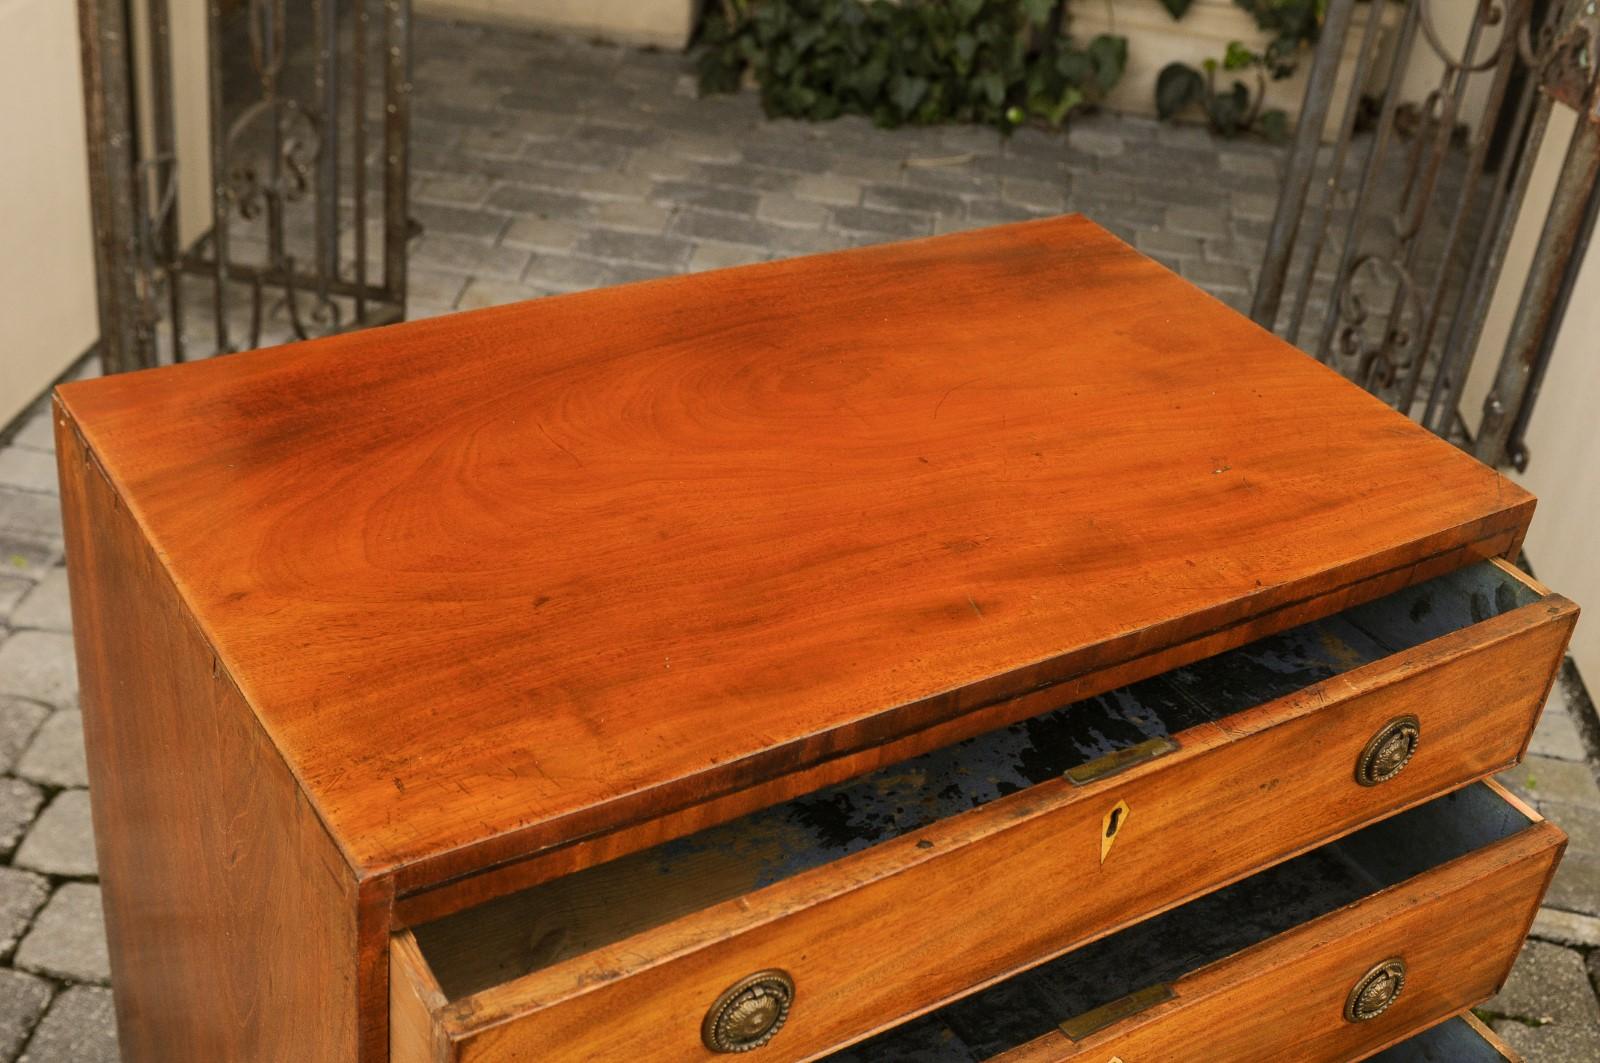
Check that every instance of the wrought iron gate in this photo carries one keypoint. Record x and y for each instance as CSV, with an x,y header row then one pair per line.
x,y
1415,214
309,126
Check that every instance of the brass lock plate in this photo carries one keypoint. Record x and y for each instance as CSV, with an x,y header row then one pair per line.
x,y
749,1013
1120,760
1388,752
1375,991
1080,1026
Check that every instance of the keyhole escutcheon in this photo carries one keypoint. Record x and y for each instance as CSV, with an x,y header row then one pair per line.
x,y
1115,820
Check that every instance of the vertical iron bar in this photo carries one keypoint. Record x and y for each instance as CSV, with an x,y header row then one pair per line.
x,y
326,14
1540,296
273,33
1302,162
358,145
1466,321
1347,122
396,138
1462,348
1369,178
1516,448
112,183
219,176
165,167
1480,149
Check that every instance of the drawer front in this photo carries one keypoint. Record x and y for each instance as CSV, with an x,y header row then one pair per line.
x,y
1456,930
908,924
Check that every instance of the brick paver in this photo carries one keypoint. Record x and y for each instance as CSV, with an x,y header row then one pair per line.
x,y
545,165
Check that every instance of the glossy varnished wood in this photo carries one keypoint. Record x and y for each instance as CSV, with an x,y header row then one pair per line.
x,y
1261,969
454,895
887,932
500,581
1458,927
232,917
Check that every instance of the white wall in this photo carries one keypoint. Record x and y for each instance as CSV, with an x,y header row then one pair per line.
x,y
662,23
47,297
191,107
47,287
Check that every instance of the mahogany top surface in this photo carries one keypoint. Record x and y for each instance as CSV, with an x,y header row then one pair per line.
x,y
555,566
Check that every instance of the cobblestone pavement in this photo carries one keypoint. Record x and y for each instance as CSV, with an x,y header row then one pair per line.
x,y
545,165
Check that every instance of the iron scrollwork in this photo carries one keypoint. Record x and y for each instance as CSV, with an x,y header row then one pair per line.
x,y
287,93
1416,229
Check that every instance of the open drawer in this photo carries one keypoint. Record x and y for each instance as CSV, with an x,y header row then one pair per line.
x,y
812,924
1331,956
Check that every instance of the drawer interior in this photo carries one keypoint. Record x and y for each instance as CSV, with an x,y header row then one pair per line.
x,y
1454,1041
503,939
1167,947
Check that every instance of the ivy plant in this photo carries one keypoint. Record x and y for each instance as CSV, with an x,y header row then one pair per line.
x,y
999,62
1293,26
1230,108
1218,89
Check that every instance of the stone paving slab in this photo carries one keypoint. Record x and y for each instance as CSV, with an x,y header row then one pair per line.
x,y
20,720
39,665
23,998
67,941
55,755
61,841
80,1027
1547,1009
45,605
545,165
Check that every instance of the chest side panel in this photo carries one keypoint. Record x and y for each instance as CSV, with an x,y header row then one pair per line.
x,y
231,915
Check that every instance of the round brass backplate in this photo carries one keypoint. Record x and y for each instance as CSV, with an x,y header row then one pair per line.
x,y
1389,751
1375,991
749,1013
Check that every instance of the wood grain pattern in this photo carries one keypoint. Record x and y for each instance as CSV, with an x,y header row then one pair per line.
x,y
230,913
1458,928
576,913
881,935
542,572
452,895
415,1003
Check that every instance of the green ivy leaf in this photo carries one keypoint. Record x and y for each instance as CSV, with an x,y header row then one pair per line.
x,y
807,36
1177,8
1110,56
992,86
1069,101
1177,86
1275,126
1037,12
1227,110
966,46
1238,57
967,10
1075,67
907,92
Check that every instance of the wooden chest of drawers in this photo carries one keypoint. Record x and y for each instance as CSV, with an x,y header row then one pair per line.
x,y
988,647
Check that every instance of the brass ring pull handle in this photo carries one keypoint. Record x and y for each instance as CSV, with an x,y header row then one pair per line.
x,y
749,1013
1375,991
1389,751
